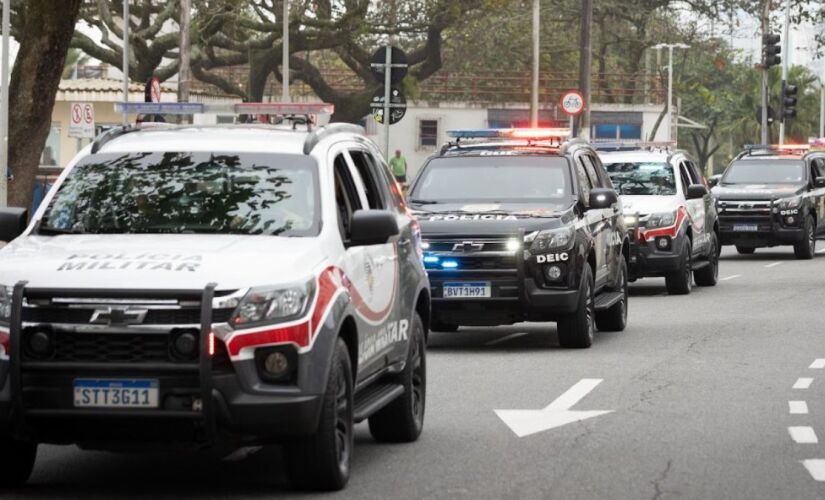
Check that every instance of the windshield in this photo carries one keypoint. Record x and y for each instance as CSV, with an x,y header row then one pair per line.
x,y
642,178
765,172
494,179
263,194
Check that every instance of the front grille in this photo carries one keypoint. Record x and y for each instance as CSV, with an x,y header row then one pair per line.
x,y
745,208
67,315
469,245
75,347
489,263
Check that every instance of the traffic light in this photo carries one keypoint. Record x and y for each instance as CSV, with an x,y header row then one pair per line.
x,y
771,50
788,101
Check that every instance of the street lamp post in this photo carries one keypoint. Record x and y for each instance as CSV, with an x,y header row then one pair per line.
x,y
534,104
4,106
673,127
285,78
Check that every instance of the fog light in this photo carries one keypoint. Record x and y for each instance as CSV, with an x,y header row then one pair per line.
x,y
40,343
552,273
663,243
276,364
513,245
186,345
790,219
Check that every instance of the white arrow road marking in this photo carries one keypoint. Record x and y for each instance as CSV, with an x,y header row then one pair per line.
x,y
798,407
556,414
803,435
816,467
803,383
819,364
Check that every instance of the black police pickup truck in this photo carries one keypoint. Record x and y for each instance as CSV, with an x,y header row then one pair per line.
x,y
519,225
769,197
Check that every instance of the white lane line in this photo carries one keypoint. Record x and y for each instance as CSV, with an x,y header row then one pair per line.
x,y
798,407
819,364
816,467
821,251
803,383
731,277
803,435
506,338
774,264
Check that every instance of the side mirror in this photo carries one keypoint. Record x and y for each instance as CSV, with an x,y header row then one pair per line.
x,y
12,223
601,198
819,182
696,192
713,180
372,227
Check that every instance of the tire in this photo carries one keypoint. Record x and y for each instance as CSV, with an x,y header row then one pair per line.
x,y
16,462
709,275
805,250
437,326
402,420
322,461
615,318
745,250
576,330
680,282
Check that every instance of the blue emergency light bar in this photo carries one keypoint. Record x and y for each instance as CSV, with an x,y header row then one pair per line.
x,y
244,108
534,134
777,147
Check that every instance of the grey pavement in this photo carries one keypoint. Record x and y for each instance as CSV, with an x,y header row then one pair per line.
x,y
700,387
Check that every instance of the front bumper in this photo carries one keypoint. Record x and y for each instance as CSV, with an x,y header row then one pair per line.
x,y
770,231
648,260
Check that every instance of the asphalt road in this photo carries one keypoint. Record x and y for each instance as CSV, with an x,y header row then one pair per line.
x,y
699,389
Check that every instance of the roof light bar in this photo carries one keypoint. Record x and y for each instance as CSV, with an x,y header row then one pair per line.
x,y
510,133
777,147
245,108
633,145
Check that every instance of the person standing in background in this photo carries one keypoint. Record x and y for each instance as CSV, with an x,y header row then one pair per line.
x,y
398,164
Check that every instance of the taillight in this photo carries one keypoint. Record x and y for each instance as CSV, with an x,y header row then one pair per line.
x,y
5,341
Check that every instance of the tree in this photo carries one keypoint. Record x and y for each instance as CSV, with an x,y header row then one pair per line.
x,y
45,30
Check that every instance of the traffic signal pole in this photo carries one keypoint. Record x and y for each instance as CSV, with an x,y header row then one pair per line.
x,y
4,106
764,128
785,61
534,103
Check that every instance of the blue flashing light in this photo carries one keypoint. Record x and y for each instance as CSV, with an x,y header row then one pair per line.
x,y
450,264
160,108
530,134
479,133
431,259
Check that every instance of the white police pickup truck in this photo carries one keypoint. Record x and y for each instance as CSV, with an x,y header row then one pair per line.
x,y
241,284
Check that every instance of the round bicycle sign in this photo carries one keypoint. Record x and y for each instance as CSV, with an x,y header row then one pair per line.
x,y
572,102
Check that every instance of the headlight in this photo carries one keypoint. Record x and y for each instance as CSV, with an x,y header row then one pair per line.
x,y
553,239
5,303
792,202
663,219
631,220
273,304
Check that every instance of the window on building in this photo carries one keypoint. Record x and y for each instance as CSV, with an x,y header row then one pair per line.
x,y
428,133
51,152
613,131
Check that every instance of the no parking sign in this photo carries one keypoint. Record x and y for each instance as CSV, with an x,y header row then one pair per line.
x,y
82,120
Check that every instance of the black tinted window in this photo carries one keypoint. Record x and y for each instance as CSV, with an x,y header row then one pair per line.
x,y
765,172
269,194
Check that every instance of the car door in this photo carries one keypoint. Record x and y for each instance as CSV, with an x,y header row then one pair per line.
x,y
818,194
695,208
597,220
614,217
384,299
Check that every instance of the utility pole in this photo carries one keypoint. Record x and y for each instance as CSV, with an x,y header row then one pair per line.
x,y
4,106
534,104
785,62
185,71
765,26
822,105
125,59
585,66
285,97
672,119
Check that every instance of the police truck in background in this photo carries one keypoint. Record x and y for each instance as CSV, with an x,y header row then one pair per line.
x,y
522,225
233,285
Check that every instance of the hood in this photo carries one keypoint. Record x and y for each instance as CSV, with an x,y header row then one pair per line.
x,y
646,205
154,262
757,191
487,220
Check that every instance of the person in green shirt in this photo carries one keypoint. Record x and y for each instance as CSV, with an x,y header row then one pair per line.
x,y
398,164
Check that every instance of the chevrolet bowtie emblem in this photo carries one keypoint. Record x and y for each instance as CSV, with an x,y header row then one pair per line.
x,y
468,246
118,316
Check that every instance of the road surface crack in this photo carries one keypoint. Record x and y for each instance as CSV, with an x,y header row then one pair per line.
x,y
657,483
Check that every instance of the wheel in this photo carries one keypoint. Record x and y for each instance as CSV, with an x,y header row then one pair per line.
x,y
806,249
745,250
322,461
402,420
615,318
16,462
680,282
438,326
576,329
709,275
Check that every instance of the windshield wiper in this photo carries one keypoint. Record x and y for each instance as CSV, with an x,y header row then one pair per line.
x,y
424,202
55,231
